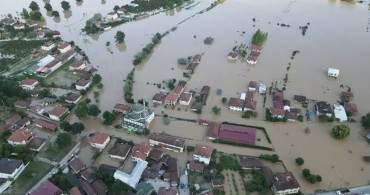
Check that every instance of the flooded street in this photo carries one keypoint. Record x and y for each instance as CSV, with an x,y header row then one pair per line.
x,y
336,37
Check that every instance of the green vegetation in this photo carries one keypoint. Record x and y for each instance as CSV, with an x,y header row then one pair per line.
x,y
25,14
36,15
109,117
96,154
299,161
146,6
190,148
81,110
257,183
340,131
182,61
324,118
248,114
34,6
18,49
18,152
128,86
274,158
10,91
55,14
65,5
171,84
234,183
91,28
94,110
120,37
59,148
216,110
48,7
224,100
241,49
139,57
115,187
60,179
311,177
259,38
123,141
227,162
365,121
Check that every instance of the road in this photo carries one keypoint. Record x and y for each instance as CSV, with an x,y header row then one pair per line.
x,y
63,161
362,190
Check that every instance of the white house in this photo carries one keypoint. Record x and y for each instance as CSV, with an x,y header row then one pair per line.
x,y
29,84
236,104
112,16
243,96
121,11
10,168
48,46
233,56
202,153
167,142
64,47
78,65
83,84
99,140
133,178
332,72
119,151
285,183
340,113
58,112
185,98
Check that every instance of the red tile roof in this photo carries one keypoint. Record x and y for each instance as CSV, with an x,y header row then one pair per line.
x,y
167,191
20,135
22,103
350,107
233,54
159,97
63,45
14,118
236,102
284,181
98,138
140,151
47,188
74,191
46,124
58,111
178,89
171,97
204,151
277,111
29,81
253,84
185,97
257,48
235,133
77,63
122,107
250,104
196,166
82,82
77,165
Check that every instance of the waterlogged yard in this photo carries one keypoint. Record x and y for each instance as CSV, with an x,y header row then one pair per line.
x,y
62,77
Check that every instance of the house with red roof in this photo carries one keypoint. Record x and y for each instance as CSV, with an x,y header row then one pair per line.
x,y
99,140
197,58
256,48
250,105
63,47
76,165
167,191
185,98
233,56
55,34
47,188
19,26
46,124
82,84
178,90
140,152
29,84
252,86
78,65
13,119
58,112
350,108
159,98
48,46
238,134
236,104
277,112
171,99
22,103
202,153
121,108
20,137
213,130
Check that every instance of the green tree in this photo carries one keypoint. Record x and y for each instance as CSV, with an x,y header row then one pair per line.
x,y
65,5
77,128
34,6
318,178
306,172
182,61
120,37
365,121
25,14
81,110
216,109
48,7
299,161
115,8
61,180
62,140
108,118
340,131
36,15
96,79
94,110
65,126
224,100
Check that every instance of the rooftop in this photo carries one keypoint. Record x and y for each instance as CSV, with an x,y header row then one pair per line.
x,y
167,191
29,81
350,107
202,150
99,186
250,162
98,138
47,188
178,89
14,118
119,150
140,150
185,96
63,45
122,107
168,139
213,129
77,165
58,111
277,111
171,97
8,166
72,97
36,142
236,102
196,166
155,154
284,181
159,97
20,135
46,124
82,82
253,84
235,133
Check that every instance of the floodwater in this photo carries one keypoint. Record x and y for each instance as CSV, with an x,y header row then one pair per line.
x,y
336,37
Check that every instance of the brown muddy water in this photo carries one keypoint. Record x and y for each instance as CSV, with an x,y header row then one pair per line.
x,y
336,37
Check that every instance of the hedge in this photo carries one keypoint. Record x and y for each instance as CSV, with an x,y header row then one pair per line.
x,y
257,127
243,145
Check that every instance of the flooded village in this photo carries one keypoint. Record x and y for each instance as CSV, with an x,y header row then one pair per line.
x,y
184,97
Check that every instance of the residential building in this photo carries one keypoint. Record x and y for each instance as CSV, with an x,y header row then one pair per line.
x,y
202,153
191,67
138,118
159,98
248,163
48,46
323,108
268,175
133,178
346,96
22,103
185,98
178,90
196,166
239,134
55,34
252,59
119,151
87,187
172,178
19,26
47,188
167,191
197,106
121,11
63,47
236,104
121,108
197,58
140,152
87,174
300,98
8,21
21,123
253,85
10,168
13,119
332,72
209,41
58,112
217,183
83,84
155,154
250,105
75,191
36,144
29,84
233,56
20,137
171,99
100,187
182,83
340,113
277,112
78,65
99,140
256,48
285,183
213,130
167,142
73,98
350,108
112,16
77,165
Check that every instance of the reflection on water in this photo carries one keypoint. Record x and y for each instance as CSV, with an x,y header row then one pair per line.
x,y
67,14
56,19
121,47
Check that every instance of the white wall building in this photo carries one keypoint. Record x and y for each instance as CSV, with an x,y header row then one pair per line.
x,y
10,168
332,72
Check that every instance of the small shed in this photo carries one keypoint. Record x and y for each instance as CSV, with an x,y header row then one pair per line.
x,y
332,72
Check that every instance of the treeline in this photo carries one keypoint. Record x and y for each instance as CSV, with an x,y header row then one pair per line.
x,y
146,6
259,38
139,57
128,86
10,91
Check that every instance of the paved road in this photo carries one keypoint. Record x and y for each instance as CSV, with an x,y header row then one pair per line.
x,y
63,161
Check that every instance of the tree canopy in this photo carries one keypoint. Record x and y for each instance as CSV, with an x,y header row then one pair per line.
x,y
259,38
81,110
96,79
65,5
62,140
77,128
34,6
48,7
36,15
25,14
120,37
61,180
340,131
109,118
94,110
299,161
365,120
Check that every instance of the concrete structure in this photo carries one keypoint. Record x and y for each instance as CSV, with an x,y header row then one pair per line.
x,y
133,178
185,98
99,140
112,16
138,118
10,168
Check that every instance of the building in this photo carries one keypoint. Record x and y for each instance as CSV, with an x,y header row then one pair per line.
x,y
138,118
78,65
99,140
48,46
239,134
253,85
285,183
346,96
63,47
250,105
55,34
22,103
20,137
119,151
217,183
185,98
13,119
277,112
202,153
155,154
121,108
332,72
178,90
73,98
140,152
87,187
29,84
233,56
191,67
8,21
167,191
213,130
159,98
323,108
144,188
87,174
21,123
300,98
252,59
10,168
209,41
236,104
112,16
133,178
75,191
82,84
77,165
249,163
197,106
19,26
340,113
167,142
100,187
121,11
58,112
196,166
36,144
171,99
47,188
350,108
256,48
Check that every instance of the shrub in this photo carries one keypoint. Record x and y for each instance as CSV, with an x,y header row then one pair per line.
x,y
340,131
306,172
182,61
299,161
190,148
272,158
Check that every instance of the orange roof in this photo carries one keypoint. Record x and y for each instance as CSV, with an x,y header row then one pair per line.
x,y
58,111
171,97
29,81
20,135
141,151
98,138
178,89
277,111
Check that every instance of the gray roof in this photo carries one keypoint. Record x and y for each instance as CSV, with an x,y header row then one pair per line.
x,y
119,150
8,165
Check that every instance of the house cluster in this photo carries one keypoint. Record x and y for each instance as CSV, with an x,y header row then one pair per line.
x,y
254,55
203,96
246,101
231,133
282,108
201,158
31,24
280,183
177,96
194,64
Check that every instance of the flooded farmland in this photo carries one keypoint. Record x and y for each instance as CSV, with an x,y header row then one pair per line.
x,y
336,37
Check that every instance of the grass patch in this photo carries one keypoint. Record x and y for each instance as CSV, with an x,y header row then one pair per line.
x,y
30,176
58,155
62,77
